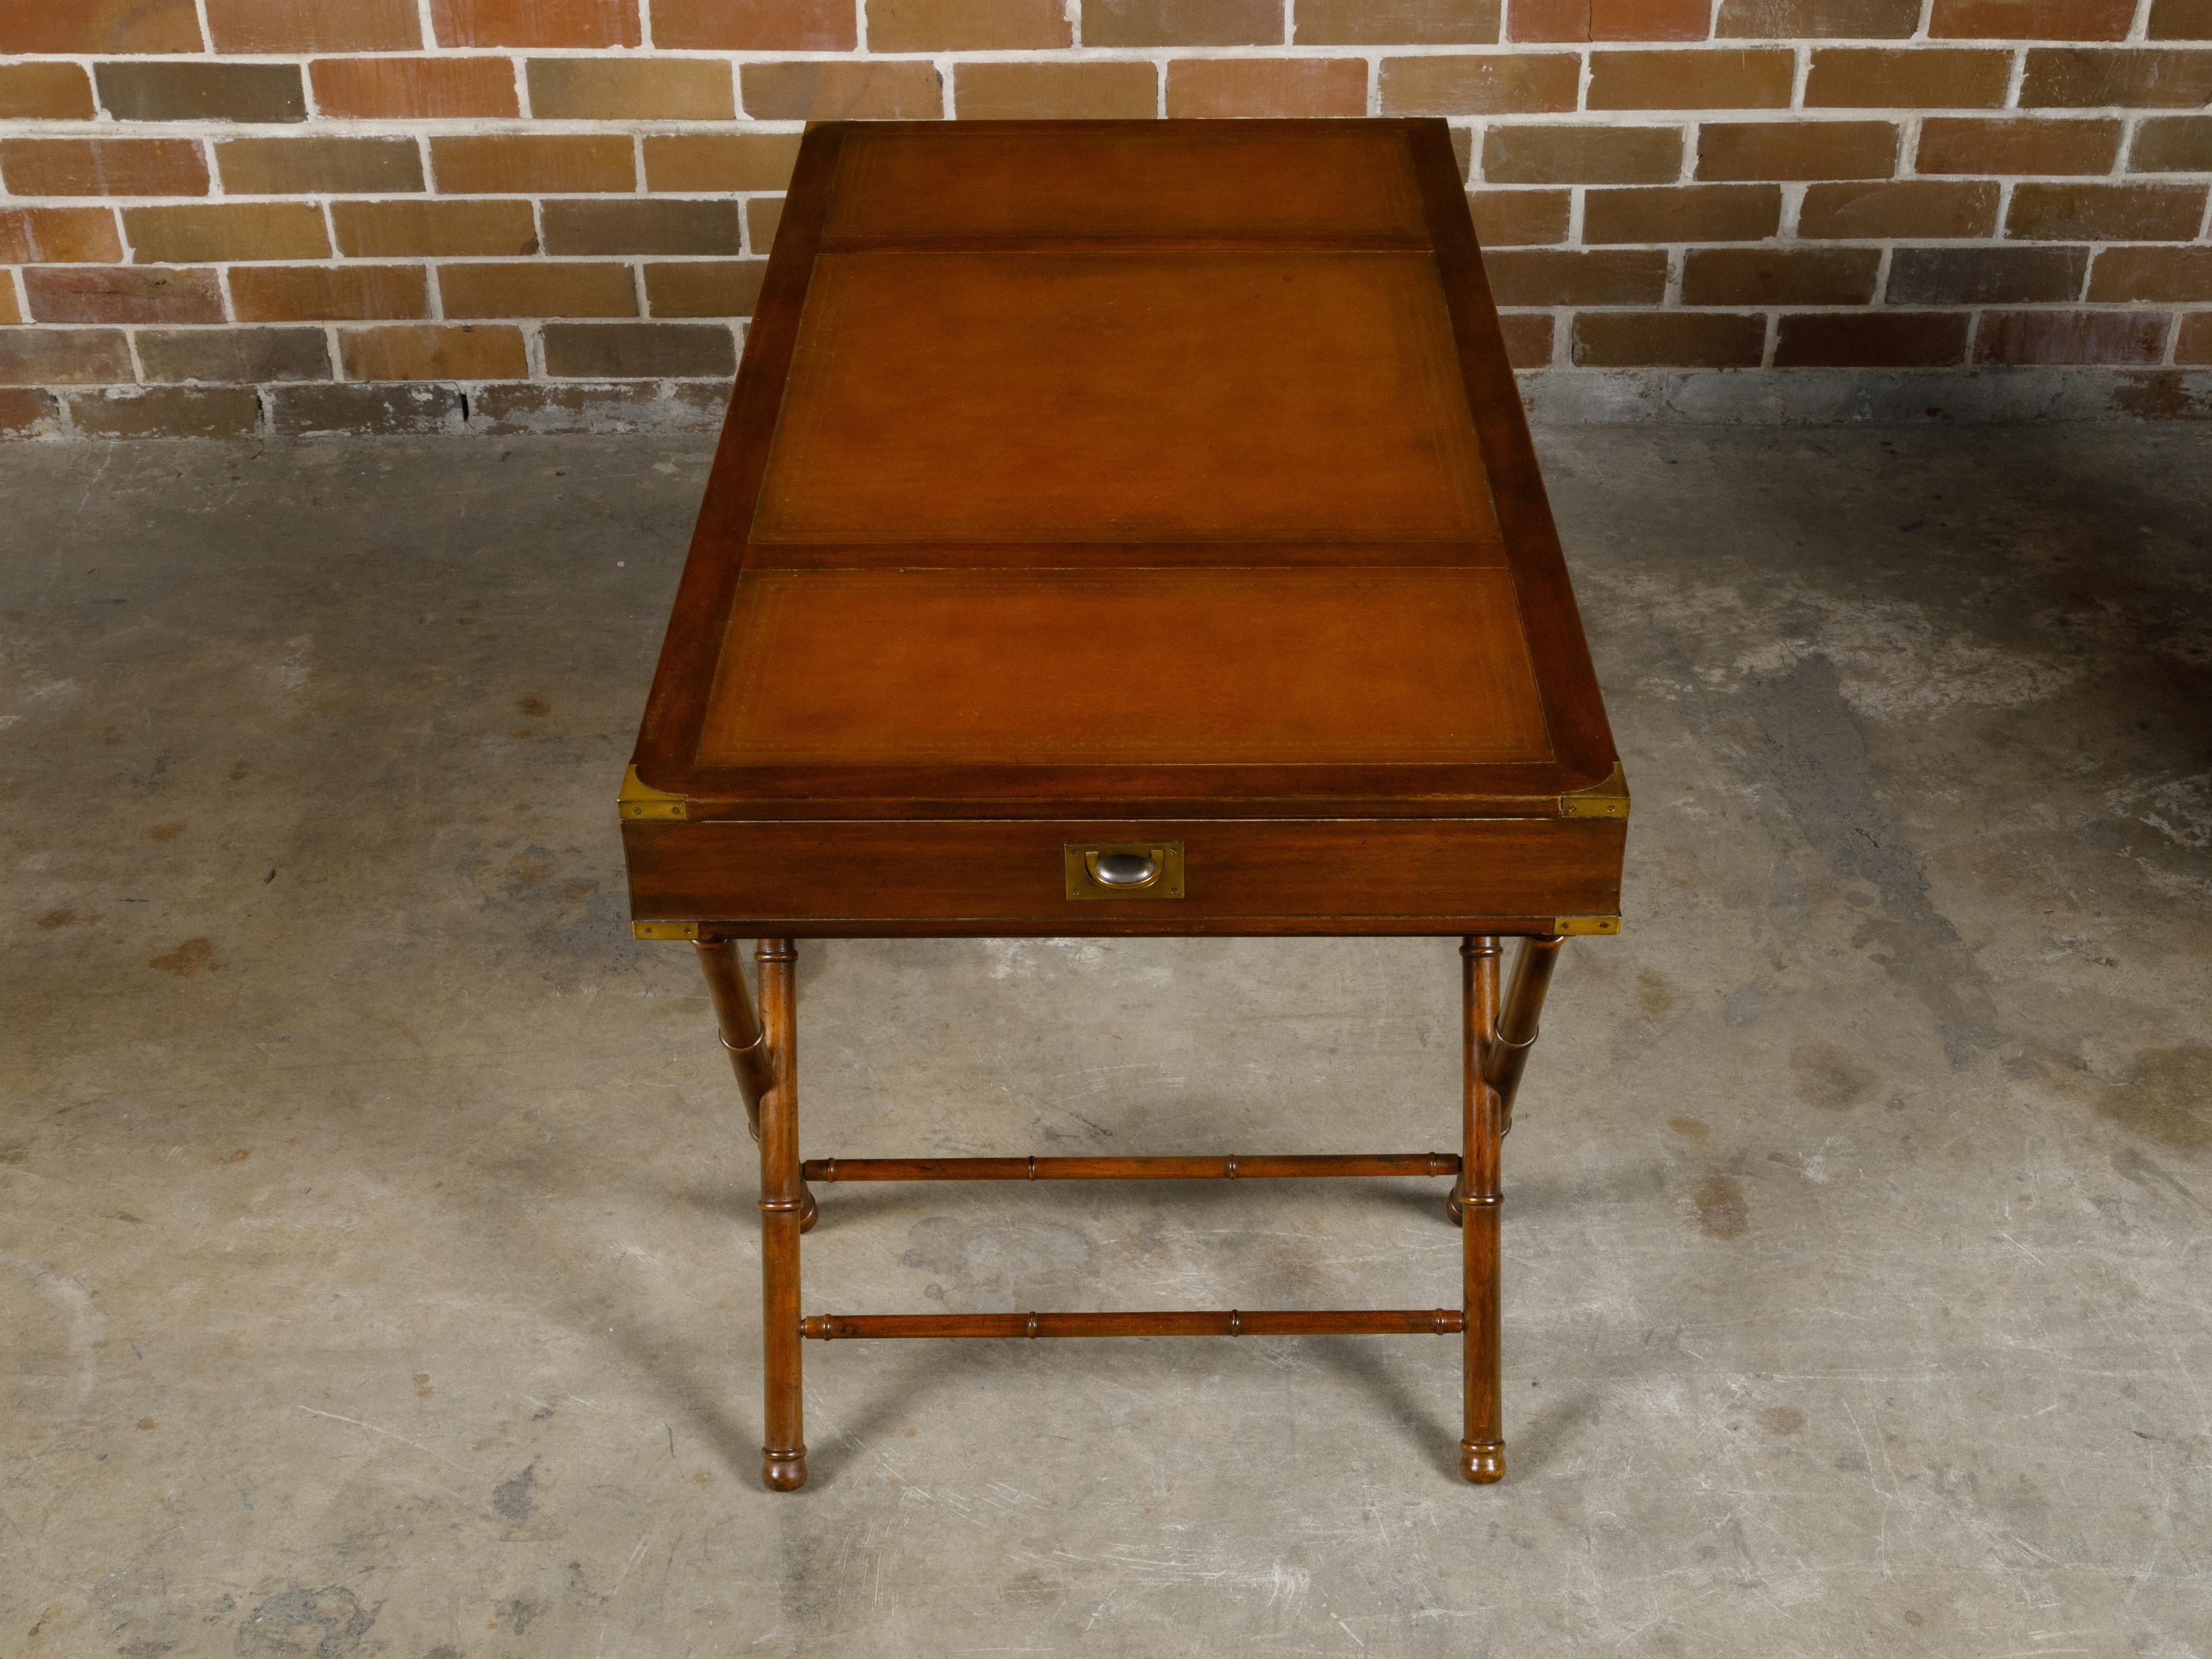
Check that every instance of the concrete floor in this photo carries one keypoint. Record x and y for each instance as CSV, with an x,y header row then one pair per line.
x,y
377,1217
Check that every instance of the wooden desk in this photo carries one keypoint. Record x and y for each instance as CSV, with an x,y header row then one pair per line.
x,y
1125,528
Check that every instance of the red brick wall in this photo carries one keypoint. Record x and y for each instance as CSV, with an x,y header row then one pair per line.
x,y
224,215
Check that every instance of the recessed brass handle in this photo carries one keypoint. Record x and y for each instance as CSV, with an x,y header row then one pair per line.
x,y
1123,870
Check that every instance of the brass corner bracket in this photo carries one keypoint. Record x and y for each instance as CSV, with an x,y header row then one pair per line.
x,y
1605,799
1574,924
664,930
640,800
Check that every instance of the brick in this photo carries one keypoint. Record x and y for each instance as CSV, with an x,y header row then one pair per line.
x,y
755,25
2182,274
28,413
1818,19
328,294
45,92
2132,338
704,287
59,236
535,23
2104,213
275,26
537,290
202,92
169,412
251,356
103,166
2180,19
650,351
2194,343
1390,22
85,26
1582,156
1907,77
1879,340
1079,92
2092,78
1918,209
967,24
318,166
218,233
1985,276
415,88
1528,336
122,293
1215,87
431,351
9,310
2031,19
1542,277
841,92
1671,339
685,406
1796,149
642,225
633,90
532,164
1951,143
434,229
1683,213
64,356
1779,276
762,215
2181,144
1721,78
720,161
1519,218
1189,23
1608,20
366,409
1481,83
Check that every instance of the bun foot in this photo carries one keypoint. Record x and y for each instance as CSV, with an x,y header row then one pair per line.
x,y
809,1213
1454,1208
1482,1461
786,1471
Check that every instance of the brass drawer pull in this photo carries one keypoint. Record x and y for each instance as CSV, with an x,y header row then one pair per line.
x,y
1123,870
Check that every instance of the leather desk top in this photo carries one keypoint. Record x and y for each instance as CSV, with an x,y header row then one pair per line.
x,y
1097,480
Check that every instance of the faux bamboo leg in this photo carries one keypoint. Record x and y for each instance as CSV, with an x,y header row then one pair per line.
x,y
1482,1453
1479,957
783,1452
1516,1024
743,1040
1512,1030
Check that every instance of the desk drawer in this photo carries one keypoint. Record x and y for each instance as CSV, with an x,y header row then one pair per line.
x,y
875,878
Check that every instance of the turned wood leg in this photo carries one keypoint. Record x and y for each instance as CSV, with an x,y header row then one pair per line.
x,y
1507,1034
1482,1452
1516,1024
1477,959
743,1040
783,1452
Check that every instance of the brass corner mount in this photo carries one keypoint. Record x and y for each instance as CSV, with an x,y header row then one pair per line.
x,y
1608,798
640,800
